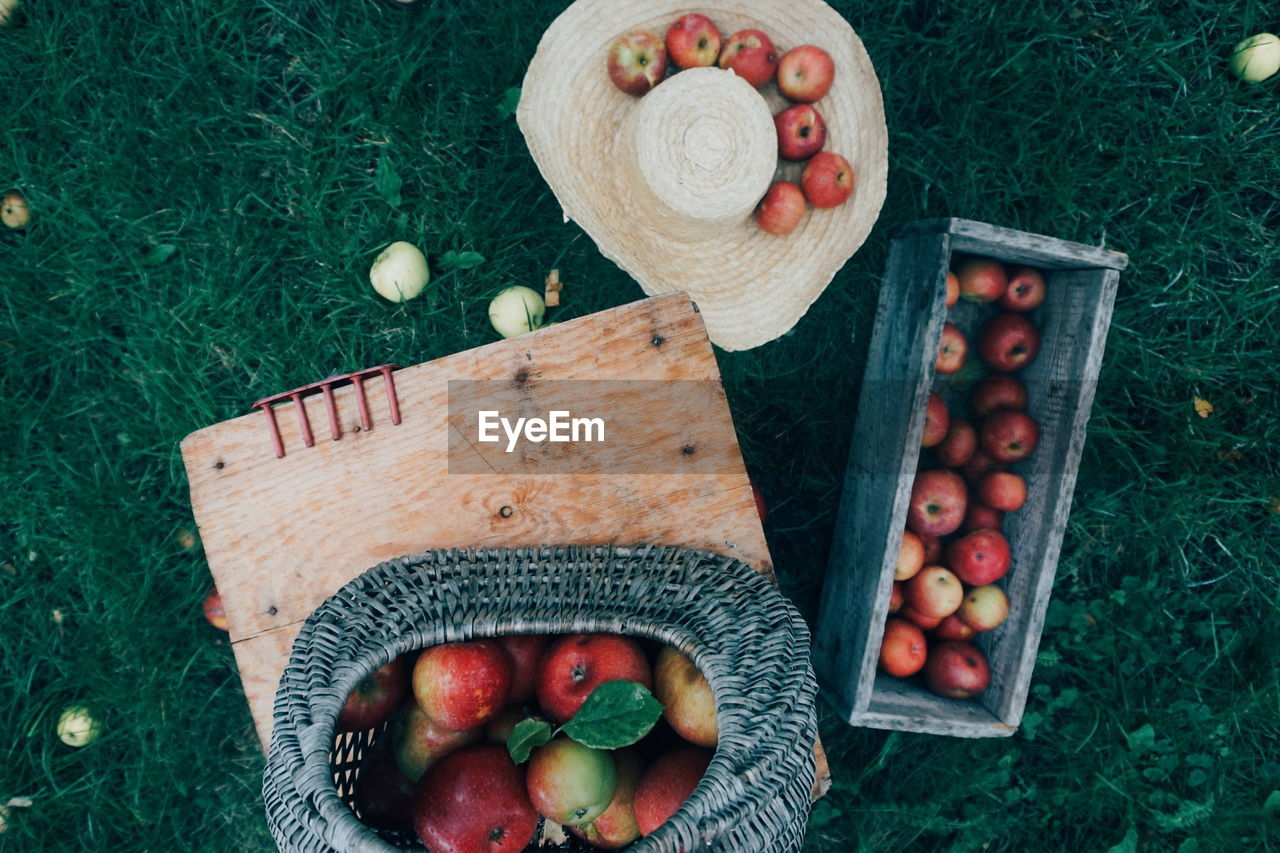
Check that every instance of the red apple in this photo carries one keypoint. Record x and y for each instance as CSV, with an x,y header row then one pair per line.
x,y
690,704
499,729
953,289
637,62
953,349
801,132
213,612
932,549
979,515
995,392
982,280
1008,342
935,592
667,783
570,783
474,801
984,608
980,465
693,41
1003,490
577,664
938,501
750,55
959,445
419,742
462,685
762,509
937,420
781,209
910,557
903,649
952,628
384,795
1009,436
924,623
895,597
376,696
805,73
827,180
1025,292
956,670
616,827
525,651
980,558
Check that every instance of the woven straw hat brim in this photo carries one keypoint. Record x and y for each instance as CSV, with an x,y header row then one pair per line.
x,y
751,286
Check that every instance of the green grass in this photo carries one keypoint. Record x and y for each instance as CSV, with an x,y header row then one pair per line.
x,y
247,135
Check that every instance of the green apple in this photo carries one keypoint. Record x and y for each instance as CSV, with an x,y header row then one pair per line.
x,y
400,273
617,827
571,784
77,727
517,310
1256,58
419,742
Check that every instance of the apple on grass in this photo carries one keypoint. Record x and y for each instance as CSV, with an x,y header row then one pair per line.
x,y
1003,490
957,670
781,209
474,800
690,706
214,613
995,392
1009,436
637,62
1025,292
959,445
419,742
935,593
805,74
1008,342
980,558
982,280
575,665
751,55
827,180
938,502
903,649
910,557
375,698
953,350
616,827
569,783
693,41
801,132
667,783
525,651
937,420
952,628
462,685
984,607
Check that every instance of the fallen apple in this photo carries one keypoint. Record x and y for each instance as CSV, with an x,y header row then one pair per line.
x,y
1256,58
77,726
214,613
400,272
517,310
14,210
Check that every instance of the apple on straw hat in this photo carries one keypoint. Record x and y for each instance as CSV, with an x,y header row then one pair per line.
x,y
666,184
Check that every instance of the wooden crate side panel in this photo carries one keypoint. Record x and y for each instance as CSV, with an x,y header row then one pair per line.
x,y
1061,386
882,460
1018,247
906,706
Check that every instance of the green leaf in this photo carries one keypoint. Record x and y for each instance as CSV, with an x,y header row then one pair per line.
x,y
509,102
526,737
387,180
616,714
452,260
157,255
1272,805
1141,740
1189,813
1128,844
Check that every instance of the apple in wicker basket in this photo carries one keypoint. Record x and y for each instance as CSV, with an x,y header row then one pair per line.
x,y
463,685
571,784
667,784
474,801
616,827
525,650
376,697
577,664
690,704
383,794
419,742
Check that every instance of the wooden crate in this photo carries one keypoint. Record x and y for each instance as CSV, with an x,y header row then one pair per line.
x,y
899,376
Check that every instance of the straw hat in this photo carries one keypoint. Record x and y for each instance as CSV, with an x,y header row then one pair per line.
x,y
666,184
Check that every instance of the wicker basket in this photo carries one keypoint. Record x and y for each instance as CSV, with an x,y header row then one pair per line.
x,y
747,639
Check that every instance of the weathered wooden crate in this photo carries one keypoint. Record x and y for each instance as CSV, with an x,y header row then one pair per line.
x,y
899,376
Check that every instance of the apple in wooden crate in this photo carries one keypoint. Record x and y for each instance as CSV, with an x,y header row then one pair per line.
x,y
957,670
1008,342
982,280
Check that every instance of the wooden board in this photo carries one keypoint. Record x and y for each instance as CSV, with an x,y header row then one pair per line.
x,y
1082,283
281,534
